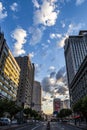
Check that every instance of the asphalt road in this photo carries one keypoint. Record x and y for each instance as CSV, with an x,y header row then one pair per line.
x,y
58,126
37,126
53,126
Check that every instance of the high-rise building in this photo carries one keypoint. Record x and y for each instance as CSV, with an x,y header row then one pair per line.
x,y
9,71
37,93
76,65
56,105
24,96
66,104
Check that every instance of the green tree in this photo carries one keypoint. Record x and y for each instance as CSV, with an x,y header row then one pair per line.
x,y
28,112
64,113
9,106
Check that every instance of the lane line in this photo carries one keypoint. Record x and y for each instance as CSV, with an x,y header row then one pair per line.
x,y
35,127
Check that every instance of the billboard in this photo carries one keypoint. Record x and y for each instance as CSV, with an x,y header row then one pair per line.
x,y
57,104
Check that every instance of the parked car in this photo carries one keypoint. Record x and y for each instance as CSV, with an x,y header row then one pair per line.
x,y
5,121
14,121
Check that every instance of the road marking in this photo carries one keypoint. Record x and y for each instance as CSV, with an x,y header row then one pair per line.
x,y
35,127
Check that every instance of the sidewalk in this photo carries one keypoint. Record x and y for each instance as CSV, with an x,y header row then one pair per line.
x,y
82,125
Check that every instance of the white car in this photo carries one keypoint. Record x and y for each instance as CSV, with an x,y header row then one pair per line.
x,y
5,121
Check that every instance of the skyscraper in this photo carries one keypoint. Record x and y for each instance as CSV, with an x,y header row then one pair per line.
x,y
56,105
76,57
37,93
9,71
24,96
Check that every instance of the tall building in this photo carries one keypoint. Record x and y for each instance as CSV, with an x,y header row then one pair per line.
x,y
66,104
76,65
56,105
37,93
9,71
24,96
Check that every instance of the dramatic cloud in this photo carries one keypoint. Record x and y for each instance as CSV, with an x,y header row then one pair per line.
x,y
62,90
56,84
72,29
19,35
46,14
52,74
47,83
60,73
3,12
79,2
14,7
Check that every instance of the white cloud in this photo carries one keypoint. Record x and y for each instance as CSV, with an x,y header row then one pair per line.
x,y
51,68
36,34
79,2
31,55
52,35
72,28
19,35
14,7
46,14
36,4
3,12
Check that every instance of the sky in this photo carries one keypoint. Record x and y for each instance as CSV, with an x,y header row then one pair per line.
x,y
38,28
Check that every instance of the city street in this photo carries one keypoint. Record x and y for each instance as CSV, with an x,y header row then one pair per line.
x,y
53,126
58,126
37,126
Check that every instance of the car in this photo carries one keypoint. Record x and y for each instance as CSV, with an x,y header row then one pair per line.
x,y
5,121
14,121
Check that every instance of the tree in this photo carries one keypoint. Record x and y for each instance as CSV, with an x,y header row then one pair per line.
x,y
81,107
27,111
64,113
9,106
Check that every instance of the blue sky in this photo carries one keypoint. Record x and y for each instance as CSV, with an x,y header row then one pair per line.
x,y
38,28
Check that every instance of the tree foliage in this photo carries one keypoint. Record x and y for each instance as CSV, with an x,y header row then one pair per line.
x,y
64,113
81,106
8,106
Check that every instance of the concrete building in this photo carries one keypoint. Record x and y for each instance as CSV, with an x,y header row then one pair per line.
x,y
76,65
37,94
9,71
24,96
66,104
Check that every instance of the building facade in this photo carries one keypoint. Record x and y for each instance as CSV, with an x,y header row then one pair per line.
x,y
56,105
75,57
37,93
24,96
9,71
66,104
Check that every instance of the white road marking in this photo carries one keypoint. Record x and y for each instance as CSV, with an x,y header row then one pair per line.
x,y
36,127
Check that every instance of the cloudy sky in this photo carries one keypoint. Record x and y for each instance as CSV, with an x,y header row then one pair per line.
x,y
38,28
